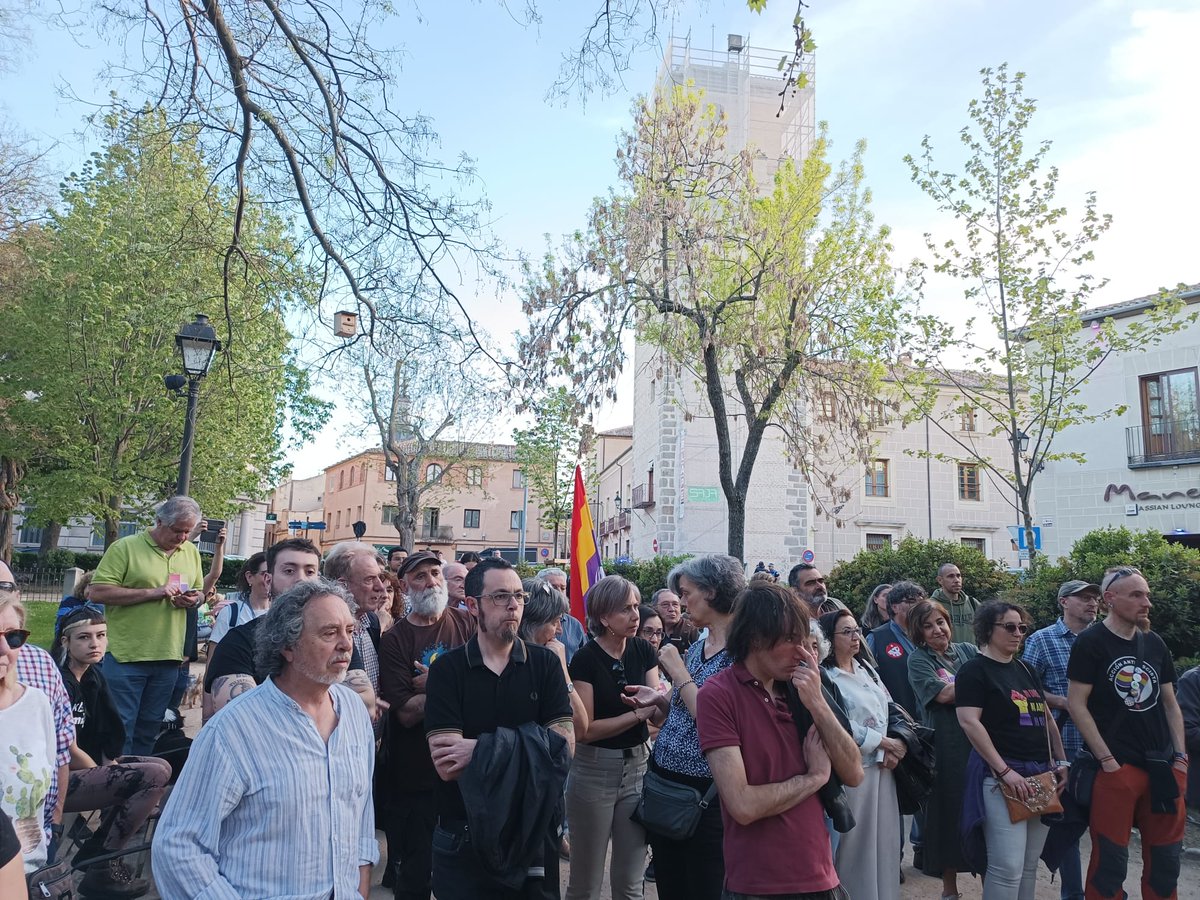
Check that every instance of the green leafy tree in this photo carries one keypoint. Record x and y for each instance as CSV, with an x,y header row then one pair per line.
x,y
914,559
767,299
648,574
1027,271
137,246
548,453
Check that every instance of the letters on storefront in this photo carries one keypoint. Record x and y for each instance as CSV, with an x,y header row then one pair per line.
x,y
1124,490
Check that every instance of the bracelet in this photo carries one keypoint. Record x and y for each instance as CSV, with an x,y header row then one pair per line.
x,y
1105,759
686,683
1000,775
1062,764
1181,757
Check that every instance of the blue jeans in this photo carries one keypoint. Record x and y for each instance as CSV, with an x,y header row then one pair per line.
x,y
141,692
457,872
1070,874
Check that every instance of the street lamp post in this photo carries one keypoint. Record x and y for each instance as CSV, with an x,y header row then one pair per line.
x,y
198,344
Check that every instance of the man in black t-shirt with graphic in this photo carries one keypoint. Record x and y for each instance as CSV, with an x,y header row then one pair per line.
x,y
1121,696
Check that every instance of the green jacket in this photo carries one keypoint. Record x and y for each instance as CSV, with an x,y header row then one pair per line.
x,y
962,615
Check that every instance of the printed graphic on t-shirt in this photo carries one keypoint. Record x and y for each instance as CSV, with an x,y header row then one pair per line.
x,y
79,713
945,675
432,652
1138,687
894,650
1030,708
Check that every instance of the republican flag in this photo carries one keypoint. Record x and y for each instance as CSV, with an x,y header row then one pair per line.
x,y
585,554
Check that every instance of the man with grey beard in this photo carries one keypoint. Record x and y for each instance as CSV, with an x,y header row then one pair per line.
x,y
405,653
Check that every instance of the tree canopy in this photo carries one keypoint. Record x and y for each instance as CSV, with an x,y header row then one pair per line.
x,y
772,300
137,247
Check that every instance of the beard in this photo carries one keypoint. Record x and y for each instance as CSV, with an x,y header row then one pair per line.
x,y
429,603
506,632
322,676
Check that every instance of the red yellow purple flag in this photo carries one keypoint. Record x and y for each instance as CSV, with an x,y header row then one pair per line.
x,y
585,554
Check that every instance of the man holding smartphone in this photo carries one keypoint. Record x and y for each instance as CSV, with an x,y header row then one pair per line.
x,y
147,582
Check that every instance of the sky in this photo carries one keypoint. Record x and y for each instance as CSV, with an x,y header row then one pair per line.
x,y
1114,81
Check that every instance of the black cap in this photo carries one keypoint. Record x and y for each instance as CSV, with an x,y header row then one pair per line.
x,y
415,559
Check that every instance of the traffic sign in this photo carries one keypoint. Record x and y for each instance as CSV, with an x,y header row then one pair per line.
x,y
271,517
315,526
295,525
545,552
808,556
1017,533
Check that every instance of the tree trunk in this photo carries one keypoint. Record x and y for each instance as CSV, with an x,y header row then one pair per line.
x,y
6,535
50,535
12,471
736,538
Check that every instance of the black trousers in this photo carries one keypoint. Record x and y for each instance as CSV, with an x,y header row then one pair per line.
x,y
457,874
693,869
409,830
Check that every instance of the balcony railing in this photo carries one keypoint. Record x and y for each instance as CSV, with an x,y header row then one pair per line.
x,y
623,521
1169,441
643,496
440,534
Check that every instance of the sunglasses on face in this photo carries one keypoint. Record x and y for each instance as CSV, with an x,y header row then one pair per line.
x,y
7,586
1014,627
16,638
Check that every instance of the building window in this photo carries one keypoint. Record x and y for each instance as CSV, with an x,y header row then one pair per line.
x,y
29,534
389,514
877,414
338,520
518,479
433,472
979,544
470,518
827,406
514,520
878,541
341,479
429,520
358,514
474,476
966,420
389,474
877,478
968,482
329,520
1170,416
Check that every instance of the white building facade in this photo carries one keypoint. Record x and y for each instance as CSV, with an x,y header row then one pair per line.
x,y
1142,468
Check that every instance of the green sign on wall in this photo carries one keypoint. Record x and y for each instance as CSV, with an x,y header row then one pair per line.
x,y
703,495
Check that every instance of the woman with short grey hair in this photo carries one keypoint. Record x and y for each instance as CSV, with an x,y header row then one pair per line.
x,y
281,627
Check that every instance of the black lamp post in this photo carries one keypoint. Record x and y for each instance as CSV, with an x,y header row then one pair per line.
x,y
198,344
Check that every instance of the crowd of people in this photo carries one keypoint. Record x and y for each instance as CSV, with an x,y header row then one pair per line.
x,y
728,738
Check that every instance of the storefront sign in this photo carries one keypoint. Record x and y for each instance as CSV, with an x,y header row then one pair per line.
x,y
1146,500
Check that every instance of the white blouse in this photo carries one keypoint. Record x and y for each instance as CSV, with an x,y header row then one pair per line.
x,y
866,707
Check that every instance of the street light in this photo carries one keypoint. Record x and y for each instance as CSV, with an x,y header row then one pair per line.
x,y
1020,440
198,344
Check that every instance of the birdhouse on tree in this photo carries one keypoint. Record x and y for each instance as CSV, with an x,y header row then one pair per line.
x,y
345,323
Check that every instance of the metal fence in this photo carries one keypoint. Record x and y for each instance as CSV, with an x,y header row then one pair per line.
x,y
40,582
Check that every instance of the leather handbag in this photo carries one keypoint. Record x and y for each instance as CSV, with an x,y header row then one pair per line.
x,y
671,809
53,882
1043,797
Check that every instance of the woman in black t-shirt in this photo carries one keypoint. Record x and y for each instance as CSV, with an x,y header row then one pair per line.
x,y
1002,709
12,869
605,783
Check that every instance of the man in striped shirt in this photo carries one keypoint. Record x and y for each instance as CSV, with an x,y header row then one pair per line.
x,y
275,798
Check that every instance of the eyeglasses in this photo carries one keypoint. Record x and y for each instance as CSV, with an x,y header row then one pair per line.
x,y
16,638
1116,575
618,673
7,586
1014,627
503,598
652,632
849,632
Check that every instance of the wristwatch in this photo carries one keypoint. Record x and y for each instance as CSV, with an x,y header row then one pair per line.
x,y
570,687
1062,764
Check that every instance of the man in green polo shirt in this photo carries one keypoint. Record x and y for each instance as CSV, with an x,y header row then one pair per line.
x,y
147,582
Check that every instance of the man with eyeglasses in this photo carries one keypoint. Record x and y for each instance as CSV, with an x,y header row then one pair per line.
x,y
1047,652
406,652
498,692
1121,695
809,584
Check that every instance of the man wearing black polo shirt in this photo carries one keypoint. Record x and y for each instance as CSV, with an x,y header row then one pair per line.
x,y
495,681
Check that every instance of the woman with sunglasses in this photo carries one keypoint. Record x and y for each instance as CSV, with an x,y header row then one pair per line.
x,y
605,784
932,671
130,787
27,752
868,856
1002,708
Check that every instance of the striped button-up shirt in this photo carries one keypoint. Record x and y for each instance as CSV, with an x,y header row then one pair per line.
x,y
266,808
1046,652
36,668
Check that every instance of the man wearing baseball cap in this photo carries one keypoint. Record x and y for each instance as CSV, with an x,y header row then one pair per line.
x,y
1047,651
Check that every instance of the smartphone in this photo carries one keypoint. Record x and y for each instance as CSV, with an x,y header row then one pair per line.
x,y
212,526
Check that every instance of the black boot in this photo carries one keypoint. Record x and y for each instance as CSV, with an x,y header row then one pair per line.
x,y
111,880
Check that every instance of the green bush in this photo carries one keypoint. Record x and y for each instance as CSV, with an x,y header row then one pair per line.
x,y
648,574
916,560
1172,570
59,558
229,573
87,561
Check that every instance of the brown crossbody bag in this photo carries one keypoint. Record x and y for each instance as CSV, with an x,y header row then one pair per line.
x,y
1043,788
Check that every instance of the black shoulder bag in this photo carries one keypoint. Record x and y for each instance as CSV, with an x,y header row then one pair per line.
x,y
1081,776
